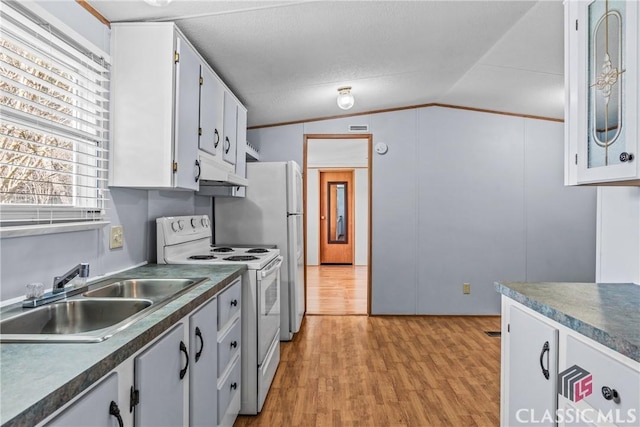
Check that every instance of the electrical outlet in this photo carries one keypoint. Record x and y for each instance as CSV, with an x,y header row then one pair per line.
x,y
116,237
466,288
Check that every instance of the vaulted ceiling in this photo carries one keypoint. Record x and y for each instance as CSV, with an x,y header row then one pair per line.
x,y
286,60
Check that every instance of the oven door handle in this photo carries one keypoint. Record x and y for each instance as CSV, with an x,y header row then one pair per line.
x,y
275,267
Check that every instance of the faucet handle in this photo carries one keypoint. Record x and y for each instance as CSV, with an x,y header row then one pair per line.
x,y
84,269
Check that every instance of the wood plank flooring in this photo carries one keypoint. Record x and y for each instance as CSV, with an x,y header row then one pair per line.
x,y
417,371
336,289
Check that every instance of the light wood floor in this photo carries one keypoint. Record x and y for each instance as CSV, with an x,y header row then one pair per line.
x,y
417,371
336,289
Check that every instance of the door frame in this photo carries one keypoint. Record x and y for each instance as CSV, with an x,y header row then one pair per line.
x,y
369,138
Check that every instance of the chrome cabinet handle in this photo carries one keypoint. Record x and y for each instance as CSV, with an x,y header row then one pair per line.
x,y
626,157
199,170
610,394
227,145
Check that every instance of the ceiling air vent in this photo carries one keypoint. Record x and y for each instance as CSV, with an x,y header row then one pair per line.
x,y
359,128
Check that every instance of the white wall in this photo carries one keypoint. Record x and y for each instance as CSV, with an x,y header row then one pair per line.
x,y
618,232
462,196
25,260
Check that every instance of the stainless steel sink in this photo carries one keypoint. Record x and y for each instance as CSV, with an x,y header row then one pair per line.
x,y
74,319
110,306
153,289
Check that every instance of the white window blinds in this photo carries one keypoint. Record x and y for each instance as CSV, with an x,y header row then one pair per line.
x,y
54,112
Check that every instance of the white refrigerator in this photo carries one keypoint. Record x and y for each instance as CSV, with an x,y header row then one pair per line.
x,y
271,213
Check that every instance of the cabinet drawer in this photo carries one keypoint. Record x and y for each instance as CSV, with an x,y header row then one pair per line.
x,y
229,388
605,371
229,303
228,346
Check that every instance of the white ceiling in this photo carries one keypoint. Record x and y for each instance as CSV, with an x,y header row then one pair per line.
x,y
286,60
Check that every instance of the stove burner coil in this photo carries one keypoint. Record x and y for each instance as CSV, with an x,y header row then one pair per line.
x,y
202,257
241,258
257,251
222,249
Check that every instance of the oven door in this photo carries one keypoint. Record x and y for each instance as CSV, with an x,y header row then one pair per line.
x,y
268,306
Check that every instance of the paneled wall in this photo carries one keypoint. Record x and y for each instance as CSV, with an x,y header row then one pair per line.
x,y
618,235
462,197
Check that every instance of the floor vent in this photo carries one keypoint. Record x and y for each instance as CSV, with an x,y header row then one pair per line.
x,y
358,128
493,334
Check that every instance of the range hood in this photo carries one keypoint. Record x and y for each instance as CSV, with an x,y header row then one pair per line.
x,y
213,173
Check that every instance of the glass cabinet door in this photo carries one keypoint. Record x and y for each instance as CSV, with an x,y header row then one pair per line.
x,y
601,55
606,83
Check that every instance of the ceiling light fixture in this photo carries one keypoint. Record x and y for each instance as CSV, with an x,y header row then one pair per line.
x,y
345,98
158,3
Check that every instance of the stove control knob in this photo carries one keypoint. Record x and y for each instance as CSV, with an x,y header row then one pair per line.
x,y
205,223
193,223
174,226
180,224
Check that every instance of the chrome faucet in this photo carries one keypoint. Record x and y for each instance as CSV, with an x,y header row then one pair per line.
x,y
81,270
58,292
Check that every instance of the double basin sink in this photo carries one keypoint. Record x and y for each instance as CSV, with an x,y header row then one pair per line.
x,y
102,310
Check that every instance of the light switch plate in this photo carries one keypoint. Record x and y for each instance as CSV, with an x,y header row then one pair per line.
x,y
116,237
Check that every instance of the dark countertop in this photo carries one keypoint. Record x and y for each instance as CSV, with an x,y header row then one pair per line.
x,y
608,313
37,379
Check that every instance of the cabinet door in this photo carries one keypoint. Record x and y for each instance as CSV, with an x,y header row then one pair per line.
x,y
94,409
601,381
187,116
203,378
533,369
160,382
602,68
230,126
241,149
211,112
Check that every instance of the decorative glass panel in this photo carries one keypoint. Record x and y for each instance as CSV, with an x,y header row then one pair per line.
x,y
337,210
606,135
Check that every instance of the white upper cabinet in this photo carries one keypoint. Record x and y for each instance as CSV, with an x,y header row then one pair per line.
x,y
186,117
211,112
230,128
174,122
601,83
155,106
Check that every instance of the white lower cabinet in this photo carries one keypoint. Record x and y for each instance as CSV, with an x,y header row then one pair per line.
x,y
203,374
229,348
176,380
601,391
161,381
533,353
97,408
588,384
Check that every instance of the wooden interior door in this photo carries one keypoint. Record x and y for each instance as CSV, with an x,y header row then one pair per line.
x,y
336,217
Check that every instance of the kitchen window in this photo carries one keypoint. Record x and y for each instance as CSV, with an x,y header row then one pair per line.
x,y
54,113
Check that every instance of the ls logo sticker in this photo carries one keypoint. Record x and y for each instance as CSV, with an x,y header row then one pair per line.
x,y
575,383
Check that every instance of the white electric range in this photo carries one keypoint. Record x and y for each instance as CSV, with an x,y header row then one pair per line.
x,y
187,240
